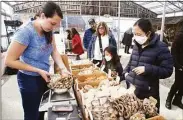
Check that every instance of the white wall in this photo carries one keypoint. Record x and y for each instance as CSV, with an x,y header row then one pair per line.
x,y
4,43
8,10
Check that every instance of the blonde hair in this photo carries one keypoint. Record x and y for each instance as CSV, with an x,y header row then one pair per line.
x,y
103,24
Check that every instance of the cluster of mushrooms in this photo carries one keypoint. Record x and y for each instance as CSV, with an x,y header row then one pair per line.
x,y
86,72
80,62
102,110
58,82
98,100
111,101
138,116
129,105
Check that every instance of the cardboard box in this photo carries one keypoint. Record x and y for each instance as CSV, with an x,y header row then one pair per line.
x,y
93,82
66,63
96,73
77,71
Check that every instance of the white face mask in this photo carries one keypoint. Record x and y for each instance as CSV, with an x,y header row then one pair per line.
x,y
108,58
140,39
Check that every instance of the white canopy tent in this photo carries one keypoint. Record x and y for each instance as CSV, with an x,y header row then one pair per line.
x,y
163,9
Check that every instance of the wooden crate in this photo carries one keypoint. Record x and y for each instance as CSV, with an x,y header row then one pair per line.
x,y
159,117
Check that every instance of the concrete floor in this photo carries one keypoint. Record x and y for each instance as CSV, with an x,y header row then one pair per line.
x,y
11,101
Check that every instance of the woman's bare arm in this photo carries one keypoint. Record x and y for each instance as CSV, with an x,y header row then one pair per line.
x,y
15,50
57,58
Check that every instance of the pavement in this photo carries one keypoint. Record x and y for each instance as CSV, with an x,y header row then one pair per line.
x,y
11,99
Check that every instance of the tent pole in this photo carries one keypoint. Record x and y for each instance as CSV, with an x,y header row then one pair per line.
x,y
118,45
99,10
163,21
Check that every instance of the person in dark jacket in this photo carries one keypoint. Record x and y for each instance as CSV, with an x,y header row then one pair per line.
x,y
112,62
69,41
95,52
165,39
88,33
77,47
177,52
150,61
127,40
69,35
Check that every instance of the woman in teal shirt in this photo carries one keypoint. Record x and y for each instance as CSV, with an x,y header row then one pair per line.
x,y
33,43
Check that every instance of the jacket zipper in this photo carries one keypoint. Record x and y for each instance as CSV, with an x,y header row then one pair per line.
x,y
137,66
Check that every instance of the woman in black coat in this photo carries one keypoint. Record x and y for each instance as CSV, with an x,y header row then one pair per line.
x,y
127,40
150,61
177,53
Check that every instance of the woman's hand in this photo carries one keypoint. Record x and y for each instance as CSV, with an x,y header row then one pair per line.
x,y
139,70
45,75
65,72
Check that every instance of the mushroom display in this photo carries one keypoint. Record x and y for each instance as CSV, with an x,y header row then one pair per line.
x,y
86,72
102,109
138,116
58,82
80,62
149,106
86,88
98,99
128,105
122,102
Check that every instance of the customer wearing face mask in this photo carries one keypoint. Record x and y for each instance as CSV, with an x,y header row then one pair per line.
x,y
150,61
99,42
112,62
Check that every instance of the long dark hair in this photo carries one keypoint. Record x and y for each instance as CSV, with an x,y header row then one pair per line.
x,y
113,51
69,34
37,15
74,32
178,35
49,9
145,25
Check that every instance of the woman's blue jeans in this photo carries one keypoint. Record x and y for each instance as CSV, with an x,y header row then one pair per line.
x,y
31,89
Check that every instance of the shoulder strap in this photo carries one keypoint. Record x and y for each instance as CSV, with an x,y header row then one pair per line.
x,y
100,45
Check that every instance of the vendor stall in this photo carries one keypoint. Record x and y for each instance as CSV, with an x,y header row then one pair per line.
x,y
89,94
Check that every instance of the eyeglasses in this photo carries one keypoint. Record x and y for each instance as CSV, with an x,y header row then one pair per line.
x,y
101,28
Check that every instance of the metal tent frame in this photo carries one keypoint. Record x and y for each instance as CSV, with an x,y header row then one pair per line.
x,y
157,6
